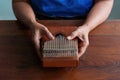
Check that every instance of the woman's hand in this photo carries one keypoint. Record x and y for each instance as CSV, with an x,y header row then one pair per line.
x,y
38,31
82,33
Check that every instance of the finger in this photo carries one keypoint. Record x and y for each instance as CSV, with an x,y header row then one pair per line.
x,y
81,38
36,40
37,34
49,34
82,51
83,46
72,36
37,44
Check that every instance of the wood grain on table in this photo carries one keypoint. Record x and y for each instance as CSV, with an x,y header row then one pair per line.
x,y
19,61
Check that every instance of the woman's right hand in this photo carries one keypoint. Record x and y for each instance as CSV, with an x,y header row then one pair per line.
x,y
38,30
25,14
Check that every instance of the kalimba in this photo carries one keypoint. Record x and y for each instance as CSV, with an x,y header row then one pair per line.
x,y
60,52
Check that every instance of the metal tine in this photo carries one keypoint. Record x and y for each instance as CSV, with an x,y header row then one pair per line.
x,y
65,40
49,48
64,44
60,41
57,40
60,47
70,42
54,43
47,44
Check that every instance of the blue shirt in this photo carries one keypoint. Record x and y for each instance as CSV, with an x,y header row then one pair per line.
x,y
62,8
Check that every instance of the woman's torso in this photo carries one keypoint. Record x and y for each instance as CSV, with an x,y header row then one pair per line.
x,y
62,8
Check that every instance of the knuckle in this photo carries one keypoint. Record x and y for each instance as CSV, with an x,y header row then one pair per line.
x,y
73,34
87,43
45,28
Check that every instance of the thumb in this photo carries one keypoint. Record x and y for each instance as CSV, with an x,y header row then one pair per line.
x,y
72,36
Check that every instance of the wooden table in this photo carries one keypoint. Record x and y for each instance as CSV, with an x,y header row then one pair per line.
x,y
19,61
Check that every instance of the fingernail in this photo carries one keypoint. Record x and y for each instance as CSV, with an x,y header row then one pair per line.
x,y
69,38
53,38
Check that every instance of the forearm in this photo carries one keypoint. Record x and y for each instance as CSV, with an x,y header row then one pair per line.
x,y
98,14
24,13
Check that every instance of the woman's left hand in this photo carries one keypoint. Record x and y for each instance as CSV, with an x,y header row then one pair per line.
x,y
82,33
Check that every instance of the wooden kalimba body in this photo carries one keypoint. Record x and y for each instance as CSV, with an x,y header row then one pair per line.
x,y
60,52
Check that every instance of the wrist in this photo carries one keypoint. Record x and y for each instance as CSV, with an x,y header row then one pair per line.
x,y
32,23
85,28
35,24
